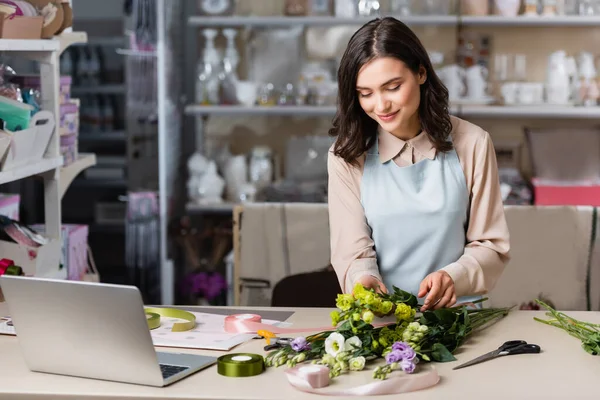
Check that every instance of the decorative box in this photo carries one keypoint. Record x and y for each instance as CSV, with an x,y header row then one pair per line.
x,y
74,249
34,82
548,193
69,148
69,117
9,205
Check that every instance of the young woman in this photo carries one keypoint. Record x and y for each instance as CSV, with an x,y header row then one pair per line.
x,y
414,195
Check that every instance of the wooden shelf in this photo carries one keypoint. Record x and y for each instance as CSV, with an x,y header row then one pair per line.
x,y
523,111
68,173
533,21
541,111
218,208
27,170
284,21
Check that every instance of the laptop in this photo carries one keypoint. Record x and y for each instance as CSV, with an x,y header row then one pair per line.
x,y
91,330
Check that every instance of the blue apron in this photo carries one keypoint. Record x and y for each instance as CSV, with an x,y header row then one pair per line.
x,y
418,216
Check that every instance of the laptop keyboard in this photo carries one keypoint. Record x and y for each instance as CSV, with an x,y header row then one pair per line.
x,y
170,370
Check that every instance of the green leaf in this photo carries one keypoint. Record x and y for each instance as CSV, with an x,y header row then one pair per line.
x,y
445,315
440,353
345,326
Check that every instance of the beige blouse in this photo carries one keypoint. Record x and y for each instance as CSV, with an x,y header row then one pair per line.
x,y
487,237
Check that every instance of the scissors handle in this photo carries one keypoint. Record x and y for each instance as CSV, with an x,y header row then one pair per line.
x,y
523,349
512,343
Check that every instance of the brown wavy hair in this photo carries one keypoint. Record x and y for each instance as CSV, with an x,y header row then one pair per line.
x,y
356,132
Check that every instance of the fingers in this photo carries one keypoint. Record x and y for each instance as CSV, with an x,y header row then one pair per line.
x,y
435,292
370,282
424,287
446,298
442,292
382,287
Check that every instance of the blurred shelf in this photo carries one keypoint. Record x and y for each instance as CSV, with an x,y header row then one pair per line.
x,y
28,170
533,21
98,89
68,173
17,45
110,136
414,20
310,111
106,41
83,182
284,21
545,111
222,208
67,39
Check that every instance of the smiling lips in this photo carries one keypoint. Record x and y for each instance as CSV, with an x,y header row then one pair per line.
x,y
387,117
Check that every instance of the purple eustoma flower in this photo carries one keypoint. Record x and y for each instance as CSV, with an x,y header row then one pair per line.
x,y
300,344
400,346
393,356
407,366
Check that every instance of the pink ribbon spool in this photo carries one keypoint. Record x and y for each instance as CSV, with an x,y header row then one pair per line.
x,y
252,323
313,378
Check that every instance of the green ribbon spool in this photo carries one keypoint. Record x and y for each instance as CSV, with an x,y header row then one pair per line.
x,y
153,315
240,365
153,320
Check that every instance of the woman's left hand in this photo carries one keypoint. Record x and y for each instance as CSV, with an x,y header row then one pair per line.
x,y
439,288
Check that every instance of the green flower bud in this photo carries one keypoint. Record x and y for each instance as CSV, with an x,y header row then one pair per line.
x,y
423,329
343,356
393,366
328,360
368,316
343,365
356,317
299,358
413,326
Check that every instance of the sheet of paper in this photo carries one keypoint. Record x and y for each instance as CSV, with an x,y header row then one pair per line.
x,y
208,334
5,328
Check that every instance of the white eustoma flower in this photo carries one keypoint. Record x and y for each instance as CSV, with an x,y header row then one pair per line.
x,y
334,344
351,342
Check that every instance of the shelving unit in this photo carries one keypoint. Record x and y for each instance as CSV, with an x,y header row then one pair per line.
x,y
542,111
56,177
283,21
415,20
492,112
27,170
68,173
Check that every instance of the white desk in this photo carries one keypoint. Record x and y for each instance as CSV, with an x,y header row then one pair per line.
x,y
562,371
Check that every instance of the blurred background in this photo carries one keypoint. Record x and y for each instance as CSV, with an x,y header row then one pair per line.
x,y
200,129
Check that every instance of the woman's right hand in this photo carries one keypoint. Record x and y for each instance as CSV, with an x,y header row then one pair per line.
x,y
370,282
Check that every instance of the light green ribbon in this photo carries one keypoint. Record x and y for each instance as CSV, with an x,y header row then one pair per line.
x,y
240,365
153,315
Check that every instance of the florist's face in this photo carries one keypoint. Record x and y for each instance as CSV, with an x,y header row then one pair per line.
x,y
388,91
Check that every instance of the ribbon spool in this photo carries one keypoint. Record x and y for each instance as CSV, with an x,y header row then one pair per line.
x,y
240,365
315,379
153,316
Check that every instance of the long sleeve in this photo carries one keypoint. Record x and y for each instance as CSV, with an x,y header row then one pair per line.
x,y
352,248
487,240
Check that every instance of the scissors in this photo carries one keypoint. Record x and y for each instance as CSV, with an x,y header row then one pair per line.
x,y
508,348
277,343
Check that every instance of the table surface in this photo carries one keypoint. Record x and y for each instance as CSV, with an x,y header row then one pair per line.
x,y
562,370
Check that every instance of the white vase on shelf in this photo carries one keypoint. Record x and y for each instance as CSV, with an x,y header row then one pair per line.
x,y
507,8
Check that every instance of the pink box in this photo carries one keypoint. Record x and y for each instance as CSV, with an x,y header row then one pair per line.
x,y
74,249
9,205
551,194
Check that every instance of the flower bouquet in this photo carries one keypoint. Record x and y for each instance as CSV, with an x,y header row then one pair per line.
x,y
355,341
